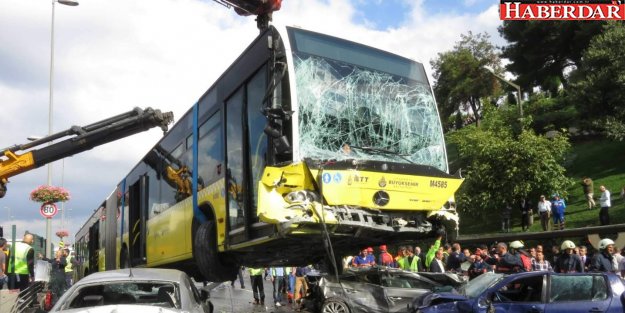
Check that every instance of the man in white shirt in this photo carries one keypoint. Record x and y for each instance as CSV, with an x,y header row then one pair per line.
x,y
437,265
605,203
544,210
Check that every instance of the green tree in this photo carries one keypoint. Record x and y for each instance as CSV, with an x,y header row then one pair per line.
x,y
501,167
599,92
461,79
542,52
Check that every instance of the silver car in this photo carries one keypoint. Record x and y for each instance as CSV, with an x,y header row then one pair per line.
x,y
142,290
375,289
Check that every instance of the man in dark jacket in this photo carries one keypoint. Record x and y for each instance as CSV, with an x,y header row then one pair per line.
x,y
527,217
505,262
602,260
568,262
456,258
437,265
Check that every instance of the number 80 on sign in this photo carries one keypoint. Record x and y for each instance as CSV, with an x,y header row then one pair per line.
x,y
48,210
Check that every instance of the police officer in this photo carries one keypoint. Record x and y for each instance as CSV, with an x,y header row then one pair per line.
x,y
602,260
21,268
568,262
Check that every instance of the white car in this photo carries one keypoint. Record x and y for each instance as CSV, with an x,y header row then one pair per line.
x,y
142,290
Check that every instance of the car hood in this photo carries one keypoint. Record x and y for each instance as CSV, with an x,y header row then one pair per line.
x,y
123,308
435,298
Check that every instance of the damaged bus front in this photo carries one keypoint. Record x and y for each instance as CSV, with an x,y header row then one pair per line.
x,y
368,148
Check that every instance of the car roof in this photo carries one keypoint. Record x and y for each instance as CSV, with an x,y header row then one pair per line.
x,y
138,274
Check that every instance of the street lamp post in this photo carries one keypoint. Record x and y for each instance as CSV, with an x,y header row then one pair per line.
x,y
10,217
50,114
517,87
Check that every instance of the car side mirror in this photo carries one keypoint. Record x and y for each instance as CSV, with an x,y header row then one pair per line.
x,y
484,302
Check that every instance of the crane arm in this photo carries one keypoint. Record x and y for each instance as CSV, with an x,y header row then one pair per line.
x,y
80,139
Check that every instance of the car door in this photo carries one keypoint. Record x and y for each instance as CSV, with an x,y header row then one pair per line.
x,y
522,293
365,294
401,289
573,293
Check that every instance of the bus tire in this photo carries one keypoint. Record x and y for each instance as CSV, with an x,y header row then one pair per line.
x,y
207,257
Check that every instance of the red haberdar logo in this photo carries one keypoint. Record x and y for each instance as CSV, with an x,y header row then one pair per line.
x,y
562,10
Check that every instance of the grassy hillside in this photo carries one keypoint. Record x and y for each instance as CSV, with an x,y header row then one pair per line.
x,y
603,161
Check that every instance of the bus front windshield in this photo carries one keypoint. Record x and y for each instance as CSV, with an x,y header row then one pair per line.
x,y
357,102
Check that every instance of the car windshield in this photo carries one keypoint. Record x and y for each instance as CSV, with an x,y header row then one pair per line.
x,y
163,294
475,287
357,102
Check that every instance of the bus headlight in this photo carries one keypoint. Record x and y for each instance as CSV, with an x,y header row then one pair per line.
x,y
301,196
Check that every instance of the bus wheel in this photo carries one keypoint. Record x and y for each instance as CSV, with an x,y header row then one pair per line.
x,y
212,267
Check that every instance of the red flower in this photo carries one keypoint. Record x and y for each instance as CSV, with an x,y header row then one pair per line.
x,y
49,194
62,233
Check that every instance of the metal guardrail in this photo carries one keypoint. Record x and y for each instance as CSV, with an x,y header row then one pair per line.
x,y
554,234
27,297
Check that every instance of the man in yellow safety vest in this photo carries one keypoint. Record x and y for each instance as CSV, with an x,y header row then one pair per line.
x,y
256,278
69,268
21,265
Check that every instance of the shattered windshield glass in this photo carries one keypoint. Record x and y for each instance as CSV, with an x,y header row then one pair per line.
x,y
357,102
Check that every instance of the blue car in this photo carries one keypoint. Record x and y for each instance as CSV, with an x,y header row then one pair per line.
x,y
531,292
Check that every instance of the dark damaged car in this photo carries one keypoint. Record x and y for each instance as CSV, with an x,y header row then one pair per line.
x,y
529,292
376,289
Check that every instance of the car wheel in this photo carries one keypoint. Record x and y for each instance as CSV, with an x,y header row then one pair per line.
x,y
207,257
334,306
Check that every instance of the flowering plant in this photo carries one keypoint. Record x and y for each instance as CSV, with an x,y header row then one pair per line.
x,y
62,233
49,194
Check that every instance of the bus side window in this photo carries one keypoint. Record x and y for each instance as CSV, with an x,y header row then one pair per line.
x,y
210,150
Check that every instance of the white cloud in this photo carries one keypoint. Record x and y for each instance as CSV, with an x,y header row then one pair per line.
x,y
113,55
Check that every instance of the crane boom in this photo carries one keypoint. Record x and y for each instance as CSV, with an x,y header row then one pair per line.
x,y
80,139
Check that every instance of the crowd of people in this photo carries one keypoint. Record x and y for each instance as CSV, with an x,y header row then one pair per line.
x,y
551,211
18,271
500,258
289,284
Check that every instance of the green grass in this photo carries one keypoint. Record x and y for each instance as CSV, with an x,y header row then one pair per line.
x,y
603,161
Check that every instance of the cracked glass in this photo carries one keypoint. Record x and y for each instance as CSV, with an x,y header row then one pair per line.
x,y
357,102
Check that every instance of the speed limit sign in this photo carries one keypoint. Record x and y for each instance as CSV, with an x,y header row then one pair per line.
x,y
48,210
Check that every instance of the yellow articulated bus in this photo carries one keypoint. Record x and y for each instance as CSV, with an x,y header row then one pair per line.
x,y
305,139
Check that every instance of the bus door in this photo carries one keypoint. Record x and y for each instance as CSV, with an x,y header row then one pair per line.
x,y
236,187
94,246
246,147
137,218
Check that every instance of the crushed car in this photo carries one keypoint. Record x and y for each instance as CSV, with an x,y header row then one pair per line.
x,y
375,289
538,291
136,290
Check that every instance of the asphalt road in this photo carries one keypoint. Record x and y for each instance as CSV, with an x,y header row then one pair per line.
x,y
226,298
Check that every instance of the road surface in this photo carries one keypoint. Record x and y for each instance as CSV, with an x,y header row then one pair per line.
x,y
227,298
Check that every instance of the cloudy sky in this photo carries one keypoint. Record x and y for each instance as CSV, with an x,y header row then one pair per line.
x,y
113,55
